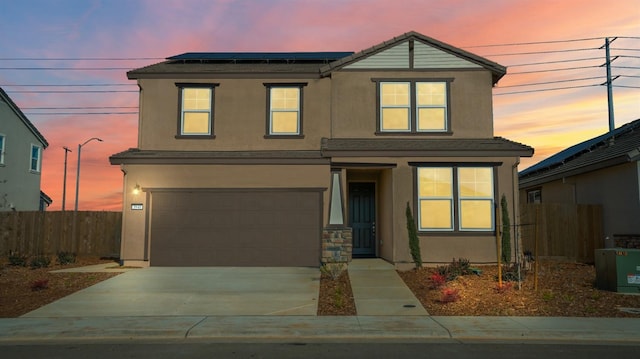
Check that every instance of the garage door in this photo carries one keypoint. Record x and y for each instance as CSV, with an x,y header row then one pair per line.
x,y
235,228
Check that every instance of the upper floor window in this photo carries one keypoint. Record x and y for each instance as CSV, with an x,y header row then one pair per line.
x,y
2,141
196,110
455,198
414,106
36,158
284,117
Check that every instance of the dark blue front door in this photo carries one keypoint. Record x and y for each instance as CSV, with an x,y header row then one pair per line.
x,y
362,218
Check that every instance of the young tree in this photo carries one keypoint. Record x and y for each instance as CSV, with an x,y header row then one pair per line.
x,y
506,231
414,241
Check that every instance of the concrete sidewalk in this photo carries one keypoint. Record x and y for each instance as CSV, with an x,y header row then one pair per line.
x,y
320,329
379,290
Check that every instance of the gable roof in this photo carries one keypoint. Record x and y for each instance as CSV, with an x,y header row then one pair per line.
x,y
312,63
612,148
496,69
23,118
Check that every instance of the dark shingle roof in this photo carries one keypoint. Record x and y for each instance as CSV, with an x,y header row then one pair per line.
x,y
23,117
472,147
612,148
134,155
316,63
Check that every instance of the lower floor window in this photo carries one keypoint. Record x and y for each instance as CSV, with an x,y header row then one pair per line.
x,y
455,198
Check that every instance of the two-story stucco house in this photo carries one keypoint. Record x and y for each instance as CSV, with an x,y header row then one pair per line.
x,y
21,147
291,159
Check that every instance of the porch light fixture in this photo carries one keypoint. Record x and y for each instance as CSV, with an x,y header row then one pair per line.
x,y
136,189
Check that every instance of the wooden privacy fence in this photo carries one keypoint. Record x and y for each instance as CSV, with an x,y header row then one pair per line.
x,y
572,231
33,233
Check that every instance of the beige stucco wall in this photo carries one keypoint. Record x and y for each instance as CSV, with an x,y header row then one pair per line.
x,y
354,108
616,188
395,187
150,177
240,116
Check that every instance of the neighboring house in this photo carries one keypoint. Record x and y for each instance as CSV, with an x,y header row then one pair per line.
x,y
604,170
21,146
45,201
293,159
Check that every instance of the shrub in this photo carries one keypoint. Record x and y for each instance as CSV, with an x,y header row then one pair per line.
x,y
506,231
505,287
510,273
40,261
414,241
449,295
40,284
66,258
332,269
17,259
454,269
437,280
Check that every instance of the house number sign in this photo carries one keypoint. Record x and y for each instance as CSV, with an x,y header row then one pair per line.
x,y
137,206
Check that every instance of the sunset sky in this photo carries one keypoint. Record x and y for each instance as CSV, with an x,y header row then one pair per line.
x,y
93,43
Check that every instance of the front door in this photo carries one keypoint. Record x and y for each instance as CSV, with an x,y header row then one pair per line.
x,y
362,218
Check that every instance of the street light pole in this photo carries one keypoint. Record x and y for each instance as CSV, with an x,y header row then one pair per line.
x,y
78,168
64,181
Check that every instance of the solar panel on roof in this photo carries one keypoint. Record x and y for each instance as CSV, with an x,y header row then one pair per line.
x,y
257,56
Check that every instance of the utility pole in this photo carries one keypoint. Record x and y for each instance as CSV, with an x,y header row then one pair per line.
x,y
612,124
64,181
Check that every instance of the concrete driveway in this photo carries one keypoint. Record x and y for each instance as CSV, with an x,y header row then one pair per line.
x,y
210,291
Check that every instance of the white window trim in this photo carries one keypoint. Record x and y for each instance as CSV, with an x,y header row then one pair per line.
x,y
183,111
297,111
456,199
444,107
408,106
39,159
2,148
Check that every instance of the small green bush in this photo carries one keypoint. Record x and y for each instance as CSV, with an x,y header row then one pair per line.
x,y
333,269
66,258
414,241
17,259
40,261
454,269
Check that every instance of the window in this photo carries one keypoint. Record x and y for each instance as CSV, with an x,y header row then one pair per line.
x,y
284,117
2,142
534,196
196,110
36,158
397,112
455,198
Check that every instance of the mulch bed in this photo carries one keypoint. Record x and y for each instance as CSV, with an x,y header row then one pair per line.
x,y
336,297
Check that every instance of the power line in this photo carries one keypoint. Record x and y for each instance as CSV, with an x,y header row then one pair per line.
x,y
80,113
68,85
77,108
80,58
542,52
549,82
542,90
555,62
74,91
67,68
552,70
626,86
536,42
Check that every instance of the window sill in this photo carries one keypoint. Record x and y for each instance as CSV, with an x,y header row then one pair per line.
x,y
289,137
195,137
458,234
444,133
